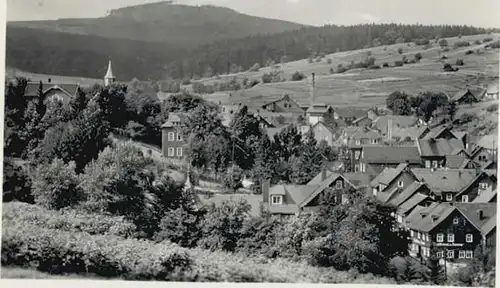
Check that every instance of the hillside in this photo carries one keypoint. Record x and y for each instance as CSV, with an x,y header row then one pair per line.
x,y
182,25
51,52
369,87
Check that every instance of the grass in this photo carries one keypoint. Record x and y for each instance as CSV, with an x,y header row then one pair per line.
x,y
366,87
27,273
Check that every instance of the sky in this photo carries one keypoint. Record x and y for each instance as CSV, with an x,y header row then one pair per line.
x,y
484,13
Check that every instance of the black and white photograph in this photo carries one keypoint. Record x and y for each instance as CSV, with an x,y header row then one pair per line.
x,y
262,141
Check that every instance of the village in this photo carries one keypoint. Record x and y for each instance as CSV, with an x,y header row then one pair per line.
x,y
154,144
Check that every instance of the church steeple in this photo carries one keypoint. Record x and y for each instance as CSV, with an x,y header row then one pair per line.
x,y
109,77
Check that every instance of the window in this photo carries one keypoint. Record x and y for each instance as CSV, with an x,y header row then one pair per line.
x,y
465,198
461,254
411,233
334,199
449,197
358,142
276,199
179,137
468,238
440,254
468,254
374,141
380,187
483,185
356,154
435,164
419,235
455,220
179,151
427,238
338,184
171,136
427,164
450,254
440,237
171,152
451,237
400,219
400,184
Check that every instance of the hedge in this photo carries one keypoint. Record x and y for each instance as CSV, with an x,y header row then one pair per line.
x,y
67,220
61,252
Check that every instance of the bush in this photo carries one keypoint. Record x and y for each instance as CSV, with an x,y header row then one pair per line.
x,y
298,76
385,64
459,44
255,67
460,62
422,41
492,108
329,61
67,220
341,68
55,186
487,39
468,52
418,57
400,50
109,256
446,49
16,183
398,63
180,226
495,45
374,67
443,43
477,42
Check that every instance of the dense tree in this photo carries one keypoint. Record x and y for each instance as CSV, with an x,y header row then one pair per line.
x,y
399,103
245,132
311,160
16,182
15,106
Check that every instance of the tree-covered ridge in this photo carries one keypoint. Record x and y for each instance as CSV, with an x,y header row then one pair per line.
x,y
182,25
57,53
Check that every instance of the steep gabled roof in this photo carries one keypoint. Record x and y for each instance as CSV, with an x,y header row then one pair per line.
x,y
350,112
172,118
411,203
407,193
437,131
391,154
439,147
32,88
489,142
462,93
434,215
320,188
456,162
471,212
318,108
445,180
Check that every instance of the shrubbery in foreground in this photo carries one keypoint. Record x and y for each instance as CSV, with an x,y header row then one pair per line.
x,y
59,252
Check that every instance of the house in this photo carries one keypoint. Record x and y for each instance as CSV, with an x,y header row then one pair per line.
x,y
459,162
364,121
315,113
375,158
492,91
285,199
417,194
485,149
392,181
172,141
348,115
357,140
481,184
382,123
284,104
372,113
58,92
453,231
451,185
464,96
441,132
433,152
322,132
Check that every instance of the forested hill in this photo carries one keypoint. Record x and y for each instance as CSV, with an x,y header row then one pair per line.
x,y
181,25
48,52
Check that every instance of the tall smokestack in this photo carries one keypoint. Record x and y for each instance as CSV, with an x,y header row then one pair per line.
x,y
313,89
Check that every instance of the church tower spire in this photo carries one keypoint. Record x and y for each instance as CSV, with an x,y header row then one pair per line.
x,y
109,78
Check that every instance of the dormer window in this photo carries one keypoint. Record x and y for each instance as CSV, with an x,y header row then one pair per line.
x,y
483,185
338,184
276,199
449,197
465,198
401,184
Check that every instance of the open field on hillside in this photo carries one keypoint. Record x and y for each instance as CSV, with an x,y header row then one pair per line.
x,y
366,87
11,72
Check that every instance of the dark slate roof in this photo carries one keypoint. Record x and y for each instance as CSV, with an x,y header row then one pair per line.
x,y
389,174
436,131
407,193
32,88
460,94
456,162
439,147
350,112
445,180
489,141
318,108
319,188
411,203
471,212
435,214
391,154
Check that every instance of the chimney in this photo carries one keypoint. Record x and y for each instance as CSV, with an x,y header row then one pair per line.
x,y
423,214
434,218
313,89
323,173
265,190
50,80
481,214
